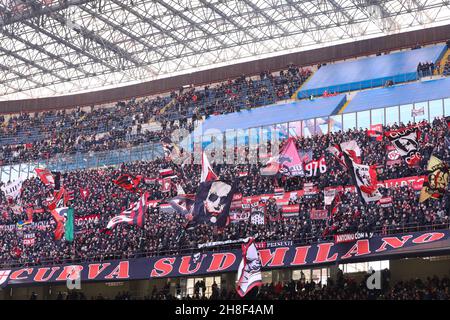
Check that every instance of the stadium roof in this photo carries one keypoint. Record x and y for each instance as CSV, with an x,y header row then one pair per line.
x,y
54,47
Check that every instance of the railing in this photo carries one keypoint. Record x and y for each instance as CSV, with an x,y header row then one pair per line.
x,y
310,239
78,161
356,86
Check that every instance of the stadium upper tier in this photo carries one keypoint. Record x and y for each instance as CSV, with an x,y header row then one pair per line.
x,y
399,95
370,72
30,137
274,114
81,135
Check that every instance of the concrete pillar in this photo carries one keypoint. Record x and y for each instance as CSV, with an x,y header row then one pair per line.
x,y
228,281
333,271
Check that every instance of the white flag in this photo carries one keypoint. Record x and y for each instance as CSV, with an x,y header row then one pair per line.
x,y
12,190
249,271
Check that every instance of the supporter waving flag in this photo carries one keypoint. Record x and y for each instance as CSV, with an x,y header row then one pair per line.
x,y
135,214
128,182
212,203
437,182
46,177
405,140
249,270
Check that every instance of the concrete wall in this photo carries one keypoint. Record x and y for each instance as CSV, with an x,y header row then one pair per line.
x,y
406,269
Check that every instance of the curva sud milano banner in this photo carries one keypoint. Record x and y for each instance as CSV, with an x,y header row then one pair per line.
x,y
274,255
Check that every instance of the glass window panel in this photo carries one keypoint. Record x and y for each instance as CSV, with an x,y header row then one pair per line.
x,y
295,129
308,128
230,138
325,275
266,133
6,170
242,137
254,136
321,125
447,107
282,131
15,172
436,109
307,274
405,113
391,116
377,116
364,266
364,119
378,265
299,274
316,275
336,123
206,140
266,276
420,111
349,121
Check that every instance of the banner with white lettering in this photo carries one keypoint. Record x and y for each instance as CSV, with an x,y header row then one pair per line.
x,y
361,248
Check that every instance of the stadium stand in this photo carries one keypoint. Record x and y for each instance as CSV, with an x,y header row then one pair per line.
x,y
27,137
163,231
241,104
279,113
370,72
399,95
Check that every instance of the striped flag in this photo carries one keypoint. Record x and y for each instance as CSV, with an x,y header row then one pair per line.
x,y
135,214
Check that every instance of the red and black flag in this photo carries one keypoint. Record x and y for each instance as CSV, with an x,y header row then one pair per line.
x,y
135,214
249,270
59,199
57,179
405,140
183,204
336,151
46,176
335,203
58,214
129,182
375,132
364,176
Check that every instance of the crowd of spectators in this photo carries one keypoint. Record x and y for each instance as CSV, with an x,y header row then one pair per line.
x,y
37,136
343,288
426,69
165,231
